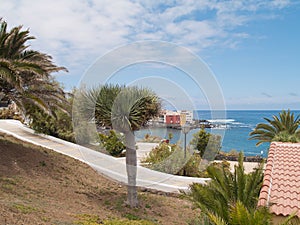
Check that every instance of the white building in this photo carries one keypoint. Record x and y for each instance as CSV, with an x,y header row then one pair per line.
x,y
189,116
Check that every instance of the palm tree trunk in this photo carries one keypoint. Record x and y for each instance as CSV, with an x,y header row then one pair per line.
x,y
131,167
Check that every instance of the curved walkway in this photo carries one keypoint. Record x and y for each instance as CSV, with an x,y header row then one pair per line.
x,y
104,164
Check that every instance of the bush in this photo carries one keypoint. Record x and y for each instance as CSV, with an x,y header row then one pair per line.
x,y
8,113
59,125
207,144
230,197
160,153
169,158
113,143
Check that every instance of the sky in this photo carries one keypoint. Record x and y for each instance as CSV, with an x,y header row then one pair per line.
x,y
251,47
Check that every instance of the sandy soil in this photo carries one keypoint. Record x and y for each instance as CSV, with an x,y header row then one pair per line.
x,y
248,166
39,186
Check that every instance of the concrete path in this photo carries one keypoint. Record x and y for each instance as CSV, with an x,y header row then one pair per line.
x,y
143,150
104,164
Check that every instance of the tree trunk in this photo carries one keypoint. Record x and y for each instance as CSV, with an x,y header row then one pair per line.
x,y
131,163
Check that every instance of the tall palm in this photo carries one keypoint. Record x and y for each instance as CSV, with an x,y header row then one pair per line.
x,y
226,188
283,128
124,109
25,74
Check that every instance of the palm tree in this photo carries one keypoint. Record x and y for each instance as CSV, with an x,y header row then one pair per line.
x,y
240,215
25,74
283,128
125,109
231,198
225,189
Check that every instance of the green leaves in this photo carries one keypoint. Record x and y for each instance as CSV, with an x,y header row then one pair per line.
x,y
112,142
283,128
227,195
124,109
207,144
25,75
240,215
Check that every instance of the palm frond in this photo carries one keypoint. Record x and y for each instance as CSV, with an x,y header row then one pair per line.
x,y
284,128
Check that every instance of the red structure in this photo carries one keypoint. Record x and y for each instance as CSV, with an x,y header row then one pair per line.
x,y
172,119
280,191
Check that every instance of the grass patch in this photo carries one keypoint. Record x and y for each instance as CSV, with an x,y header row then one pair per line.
x,y
7,184
24,208
87,219
8,180
131,216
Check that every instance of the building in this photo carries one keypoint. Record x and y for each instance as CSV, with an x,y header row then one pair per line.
x,y
281,185
173,119
187,115
169,117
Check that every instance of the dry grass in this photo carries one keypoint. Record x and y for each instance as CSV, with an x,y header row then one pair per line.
x,y
39,186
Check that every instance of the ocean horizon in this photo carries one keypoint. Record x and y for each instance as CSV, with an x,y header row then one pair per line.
x,y
238,125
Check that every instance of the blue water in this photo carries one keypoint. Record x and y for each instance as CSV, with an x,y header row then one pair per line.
x,y
239,123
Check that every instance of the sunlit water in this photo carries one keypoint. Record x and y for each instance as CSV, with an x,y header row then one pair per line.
x,y
238,126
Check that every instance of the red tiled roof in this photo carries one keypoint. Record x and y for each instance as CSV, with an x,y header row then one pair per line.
x,y
281,185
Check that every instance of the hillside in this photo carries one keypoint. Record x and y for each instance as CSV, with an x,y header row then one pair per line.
x,y
39,186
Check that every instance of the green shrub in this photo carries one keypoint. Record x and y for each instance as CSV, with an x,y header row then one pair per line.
x,y
87,219
192,167
229,195
58,125
169,158
113,143
160,153
207,144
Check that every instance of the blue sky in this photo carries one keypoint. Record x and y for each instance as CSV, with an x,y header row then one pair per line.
x,y
251,46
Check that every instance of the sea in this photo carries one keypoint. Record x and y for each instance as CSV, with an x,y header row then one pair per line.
x,y
235,129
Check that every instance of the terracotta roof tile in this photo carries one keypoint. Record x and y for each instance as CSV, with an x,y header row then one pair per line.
x,y
281,185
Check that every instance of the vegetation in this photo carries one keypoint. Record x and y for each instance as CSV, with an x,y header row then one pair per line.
x,y
151,139
125,109
233,155
25,74
169,158
231,198
283,128
9,113
238,190
207,144
113,143
170,135
59,124
159,153
25,80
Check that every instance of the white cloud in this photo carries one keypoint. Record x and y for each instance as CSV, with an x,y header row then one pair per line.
x,y
75,33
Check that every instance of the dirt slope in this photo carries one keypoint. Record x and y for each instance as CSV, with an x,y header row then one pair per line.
x,y
39,186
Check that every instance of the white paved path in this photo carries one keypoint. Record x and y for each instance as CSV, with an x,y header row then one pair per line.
x,y
104,164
